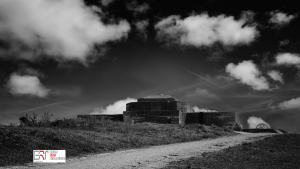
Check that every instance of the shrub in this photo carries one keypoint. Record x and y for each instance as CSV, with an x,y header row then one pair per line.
x,y
45,119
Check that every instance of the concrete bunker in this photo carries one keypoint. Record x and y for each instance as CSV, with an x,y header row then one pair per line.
x,y
167,109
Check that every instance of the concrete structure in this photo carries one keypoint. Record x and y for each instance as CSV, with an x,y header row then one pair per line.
x,y
212,118
167,109
263,128
156,108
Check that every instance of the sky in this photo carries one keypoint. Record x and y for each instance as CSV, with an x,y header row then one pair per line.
x,y
71,57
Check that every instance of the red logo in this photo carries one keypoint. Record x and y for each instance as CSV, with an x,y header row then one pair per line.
x,y
38,154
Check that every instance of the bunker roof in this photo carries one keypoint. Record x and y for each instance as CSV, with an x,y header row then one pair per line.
x,y
158,97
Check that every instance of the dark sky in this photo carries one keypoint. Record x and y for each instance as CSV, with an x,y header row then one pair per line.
x,y
71,57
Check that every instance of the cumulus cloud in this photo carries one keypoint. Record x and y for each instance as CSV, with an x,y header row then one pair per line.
x,y
275,75
116,108
248,73
203,30
280,18
197,109
64,29
290,104
26,85
288,59
254,121
141,28
203,95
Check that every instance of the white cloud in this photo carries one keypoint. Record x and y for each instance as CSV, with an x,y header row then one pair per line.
x,y
280,18
26,85
202,30
248,73
254,121
63,29
197,109
288,59
141,27
275,75
202,95
116,108
290,104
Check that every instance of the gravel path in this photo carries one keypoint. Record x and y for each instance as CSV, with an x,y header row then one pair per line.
x,y
156,156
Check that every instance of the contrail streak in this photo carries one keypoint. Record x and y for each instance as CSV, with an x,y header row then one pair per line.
x,y
186,87
205,79
52,104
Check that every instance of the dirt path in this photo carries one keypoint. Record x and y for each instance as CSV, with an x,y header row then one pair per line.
x,y
154,157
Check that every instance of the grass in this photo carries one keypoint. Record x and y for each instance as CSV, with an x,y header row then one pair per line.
x,y
280,151
17,142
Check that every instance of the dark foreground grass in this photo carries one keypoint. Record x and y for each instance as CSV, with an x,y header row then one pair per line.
x,y
280,151
17,142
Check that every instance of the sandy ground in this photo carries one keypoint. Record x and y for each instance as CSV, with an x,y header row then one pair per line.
x,y
152,157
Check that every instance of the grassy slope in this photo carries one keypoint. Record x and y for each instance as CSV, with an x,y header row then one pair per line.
x,y
280,151
17,143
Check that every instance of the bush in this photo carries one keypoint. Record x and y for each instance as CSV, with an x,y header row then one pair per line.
x,y
33,120
45,119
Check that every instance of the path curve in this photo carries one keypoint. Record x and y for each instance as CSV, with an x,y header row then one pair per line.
x,y
156,156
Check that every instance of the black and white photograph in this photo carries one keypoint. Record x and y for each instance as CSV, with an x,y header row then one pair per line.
x,y
149,84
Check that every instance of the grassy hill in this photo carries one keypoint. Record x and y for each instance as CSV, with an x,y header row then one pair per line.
x,y
279,151
17,142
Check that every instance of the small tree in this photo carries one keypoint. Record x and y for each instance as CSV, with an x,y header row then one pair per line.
x,y
32,121
46,119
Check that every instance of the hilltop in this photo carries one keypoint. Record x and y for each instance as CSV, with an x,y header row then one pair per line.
x,y
17,142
